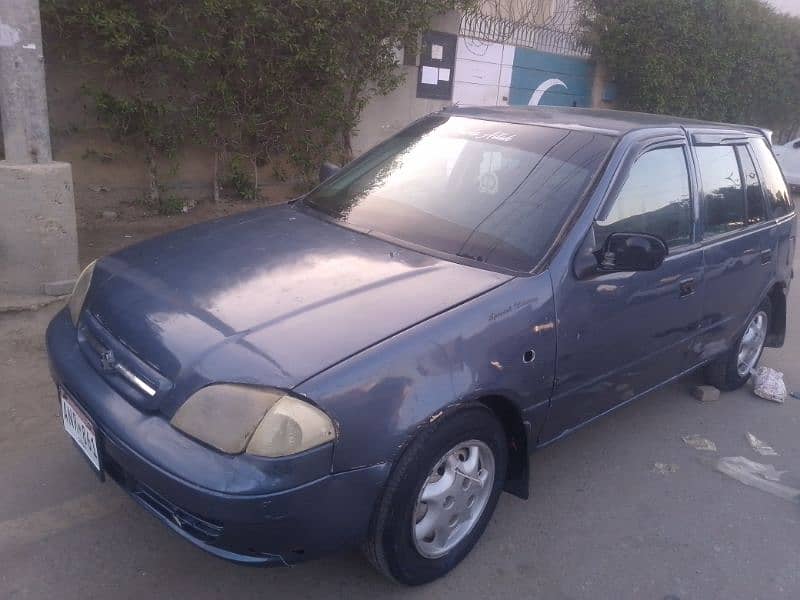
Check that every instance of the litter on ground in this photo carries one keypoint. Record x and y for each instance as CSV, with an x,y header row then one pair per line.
x,y
762,448
763,477
699,443
768,384
664,468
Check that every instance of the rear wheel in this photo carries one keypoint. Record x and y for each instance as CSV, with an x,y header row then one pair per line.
x,y
440,497
732,370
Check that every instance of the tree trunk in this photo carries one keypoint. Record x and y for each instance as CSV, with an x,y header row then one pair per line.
x,y
153,193
347,145
256,194
215,183
352,107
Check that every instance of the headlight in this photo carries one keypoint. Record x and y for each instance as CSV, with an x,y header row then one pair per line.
x,y
289,427
79,292
238,418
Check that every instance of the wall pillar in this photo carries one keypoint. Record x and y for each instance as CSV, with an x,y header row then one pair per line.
x,y
38,237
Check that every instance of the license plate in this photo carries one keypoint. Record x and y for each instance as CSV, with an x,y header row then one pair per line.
x,y
79,427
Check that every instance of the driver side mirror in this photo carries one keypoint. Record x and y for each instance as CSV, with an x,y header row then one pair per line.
x,y
328,170
631,252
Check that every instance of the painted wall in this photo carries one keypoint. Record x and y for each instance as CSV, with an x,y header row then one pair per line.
x,y
483,72
488,73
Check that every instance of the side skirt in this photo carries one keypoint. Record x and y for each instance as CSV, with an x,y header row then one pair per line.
x,y
567,432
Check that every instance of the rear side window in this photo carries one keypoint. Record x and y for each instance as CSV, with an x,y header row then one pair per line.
x,y
723,193
774,184
654,199
754,195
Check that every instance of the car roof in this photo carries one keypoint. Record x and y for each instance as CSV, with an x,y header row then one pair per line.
x,y
611,122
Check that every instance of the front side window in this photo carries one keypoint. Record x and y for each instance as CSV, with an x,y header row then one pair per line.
x,y
723,194
654,199
774,184
494,192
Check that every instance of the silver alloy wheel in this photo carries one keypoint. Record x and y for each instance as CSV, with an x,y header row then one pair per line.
x,y
752,343
453,498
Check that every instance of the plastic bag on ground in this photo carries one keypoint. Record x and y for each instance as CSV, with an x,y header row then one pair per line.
x,y
699,442
768,384
762,448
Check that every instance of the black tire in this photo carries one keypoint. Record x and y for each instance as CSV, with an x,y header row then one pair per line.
x,y
390,546
722,372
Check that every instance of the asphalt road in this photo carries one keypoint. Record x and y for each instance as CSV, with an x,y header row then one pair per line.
x,y
602,522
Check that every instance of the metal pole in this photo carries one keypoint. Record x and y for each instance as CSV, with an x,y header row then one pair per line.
x,y
23,95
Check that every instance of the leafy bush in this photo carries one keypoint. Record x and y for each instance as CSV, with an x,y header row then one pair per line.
x,y
239,181
725,60
170,204
255,78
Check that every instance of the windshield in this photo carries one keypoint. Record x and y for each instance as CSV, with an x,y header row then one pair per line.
x,y
489,191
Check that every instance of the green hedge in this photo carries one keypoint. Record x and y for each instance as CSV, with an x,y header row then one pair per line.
x,y
252,79
725,60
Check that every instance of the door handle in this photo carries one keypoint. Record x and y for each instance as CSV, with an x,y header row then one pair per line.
x,y
686,287
766,256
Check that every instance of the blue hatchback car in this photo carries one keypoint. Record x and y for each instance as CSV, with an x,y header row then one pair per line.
x,y
372,363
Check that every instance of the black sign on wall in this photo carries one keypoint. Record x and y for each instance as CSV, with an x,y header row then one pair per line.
x,y
437,63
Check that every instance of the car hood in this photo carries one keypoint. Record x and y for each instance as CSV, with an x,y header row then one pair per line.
x,y
272,296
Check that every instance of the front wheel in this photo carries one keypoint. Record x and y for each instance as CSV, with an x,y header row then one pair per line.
x,y
732,370
439,497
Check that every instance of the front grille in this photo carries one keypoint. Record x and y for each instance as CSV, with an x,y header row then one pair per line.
x,y
110,364
129,375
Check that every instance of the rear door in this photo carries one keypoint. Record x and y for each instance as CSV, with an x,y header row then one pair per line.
x,y
735,229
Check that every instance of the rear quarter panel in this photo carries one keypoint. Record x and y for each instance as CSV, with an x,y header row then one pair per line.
x,y
784,236
380,397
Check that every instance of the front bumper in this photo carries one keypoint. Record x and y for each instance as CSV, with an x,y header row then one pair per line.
x,y
253,511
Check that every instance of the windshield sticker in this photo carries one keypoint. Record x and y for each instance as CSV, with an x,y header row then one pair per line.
x,y
496,136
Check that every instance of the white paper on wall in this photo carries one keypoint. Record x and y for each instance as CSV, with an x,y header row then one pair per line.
x,y
430,75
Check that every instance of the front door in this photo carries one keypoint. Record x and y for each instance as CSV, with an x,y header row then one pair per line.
x,y
620,334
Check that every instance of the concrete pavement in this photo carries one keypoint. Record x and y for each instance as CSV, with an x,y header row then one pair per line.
x,y
602,522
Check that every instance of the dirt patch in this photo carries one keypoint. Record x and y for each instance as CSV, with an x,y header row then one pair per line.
x,y
28,406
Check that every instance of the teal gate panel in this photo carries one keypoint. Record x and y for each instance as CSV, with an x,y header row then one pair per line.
x,y
541,78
